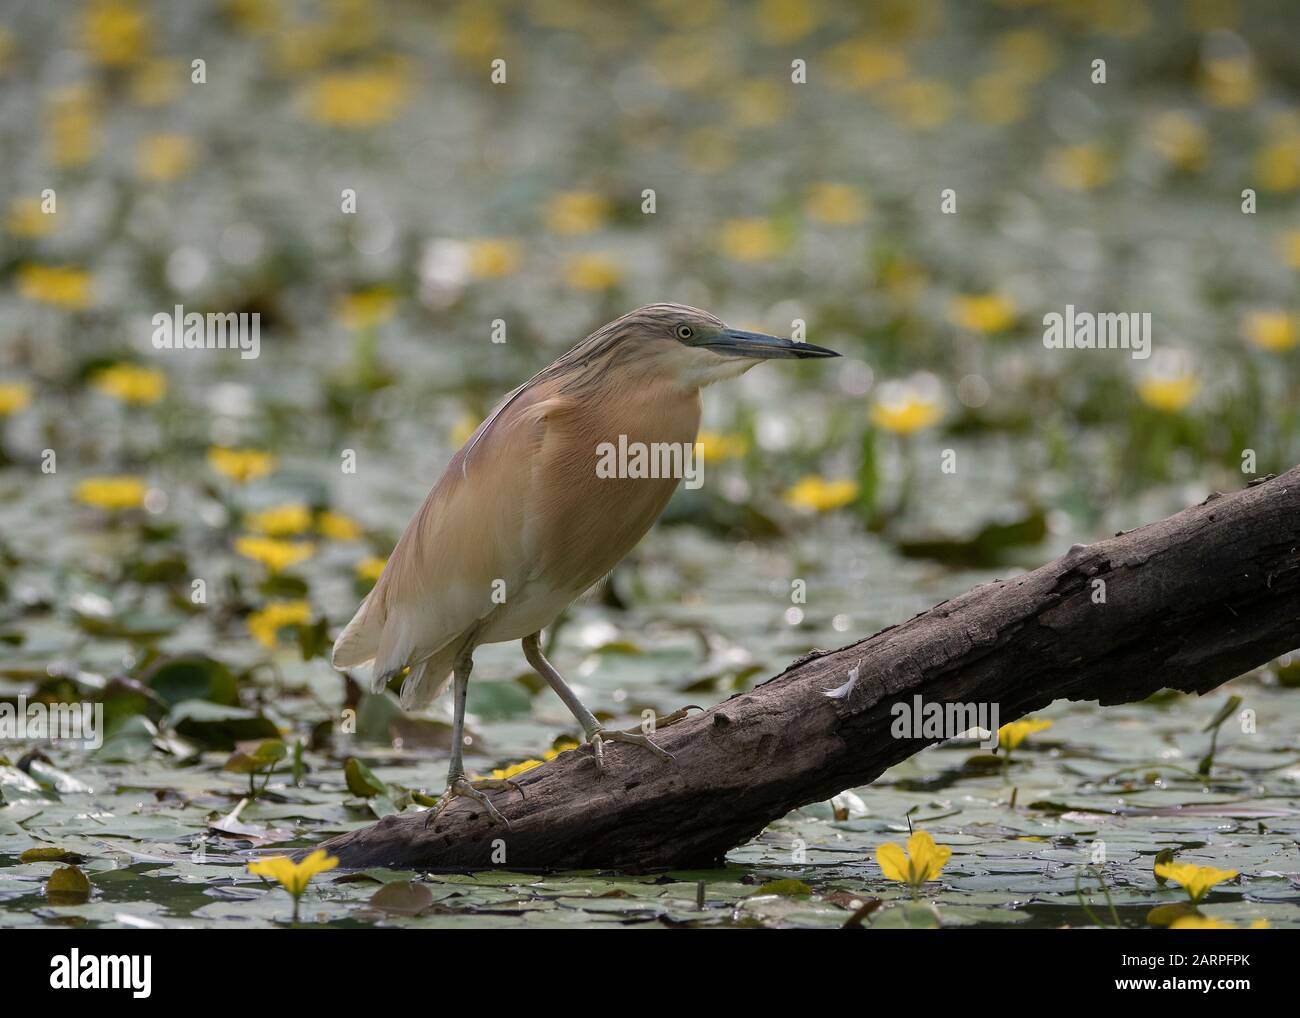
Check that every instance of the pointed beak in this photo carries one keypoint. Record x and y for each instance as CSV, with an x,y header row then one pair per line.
x,y
735,343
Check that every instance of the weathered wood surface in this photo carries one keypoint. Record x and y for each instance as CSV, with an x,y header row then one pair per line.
x,y
1191,602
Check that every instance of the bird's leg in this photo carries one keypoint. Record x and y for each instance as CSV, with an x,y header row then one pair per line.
x,y
458,786
597,734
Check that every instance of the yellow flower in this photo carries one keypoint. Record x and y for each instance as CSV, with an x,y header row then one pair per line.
x,y
280,521
274,554
294,876
576,212
131,384
27,220
491,258
1229,82
476,32
865,63
998,99
1274,331
74,126
358,98
1012,735
1195,880
1025,53
367,308
758,103
61,286
1288,246
1170,393
923,861
922,103
716,447
336,526
1200,922
836,204
1277,165
1079,167
111,493
114,32
986,312
907,407
14,396
164,157
464,429
1181,140
265,624
749,240
816,494
156,82
784,21
501,773
241,465
371,568
591,272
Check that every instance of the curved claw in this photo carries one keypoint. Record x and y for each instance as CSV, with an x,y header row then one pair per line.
x,y
600,736
461,788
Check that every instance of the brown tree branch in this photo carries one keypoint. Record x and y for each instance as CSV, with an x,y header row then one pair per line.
x,y
1190,602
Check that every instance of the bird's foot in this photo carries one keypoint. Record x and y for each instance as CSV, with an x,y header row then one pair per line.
x,y
597,739
460,787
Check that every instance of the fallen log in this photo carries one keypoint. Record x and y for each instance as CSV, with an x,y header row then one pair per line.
x,y
1187,603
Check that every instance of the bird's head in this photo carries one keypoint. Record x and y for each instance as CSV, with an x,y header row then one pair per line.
x,y
699,348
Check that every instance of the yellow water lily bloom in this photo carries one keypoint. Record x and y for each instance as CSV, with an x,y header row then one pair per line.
x,y
73,118
835,204
816,494
906,407
164,157
113,494
280,521
785,21
62,286
266,623
131,383
1204,922
591,272
576,212
1229,82
749,240
336,526
115,33
1181,140
1288,246
716,447
923,861
14,396
28,220
358,98
1169,393
365,309
241,465
294,876
1012,735
492,258
1082,167
983,312
1195,880
1274,331
371,568
501,773
274,554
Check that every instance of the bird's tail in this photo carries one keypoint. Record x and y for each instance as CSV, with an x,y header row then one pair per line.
x,y
372,636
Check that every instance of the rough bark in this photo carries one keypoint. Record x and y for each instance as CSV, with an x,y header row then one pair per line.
x,y
1190,602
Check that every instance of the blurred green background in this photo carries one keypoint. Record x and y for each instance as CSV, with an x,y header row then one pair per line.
x,y
180,537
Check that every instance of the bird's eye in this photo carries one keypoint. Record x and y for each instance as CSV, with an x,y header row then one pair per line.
x,y
685,332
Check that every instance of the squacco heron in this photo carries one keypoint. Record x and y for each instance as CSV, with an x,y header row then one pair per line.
x,y
522,522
